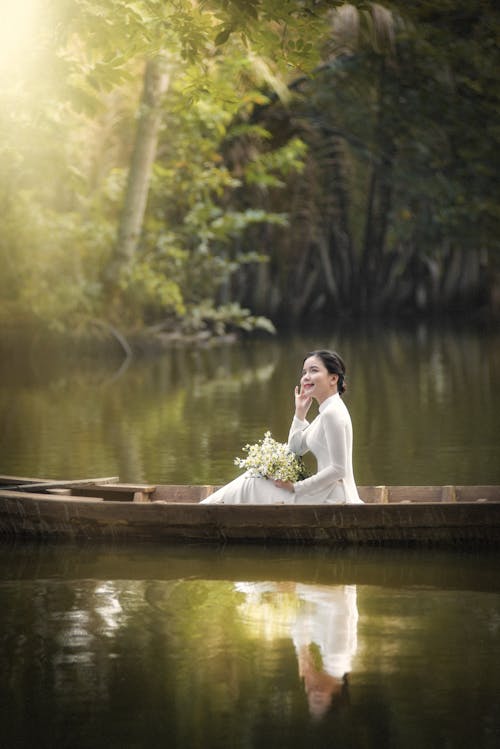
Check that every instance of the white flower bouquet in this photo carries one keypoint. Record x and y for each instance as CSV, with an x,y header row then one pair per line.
x,y
270,459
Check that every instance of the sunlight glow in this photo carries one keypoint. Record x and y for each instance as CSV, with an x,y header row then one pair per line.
x,y
18,25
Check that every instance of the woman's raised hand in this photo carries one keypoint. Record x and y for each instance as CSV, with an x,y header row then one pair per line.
x,y
302,403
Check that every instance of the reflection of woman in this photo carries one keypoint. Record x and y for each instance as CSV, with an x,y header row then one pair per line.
x,y
322,689
322,621
328,437
325,639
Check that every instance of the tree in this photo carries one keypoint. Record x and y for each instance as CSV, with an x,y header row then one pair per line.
x,y
391,213
390,120
156,80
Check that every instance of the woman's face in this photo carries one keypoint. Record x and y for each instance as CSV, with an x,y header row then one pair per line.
x,y
316,381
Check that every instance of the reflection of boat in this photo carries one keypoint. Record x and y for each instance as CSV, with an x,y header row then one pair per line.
x,y
95,509
360,565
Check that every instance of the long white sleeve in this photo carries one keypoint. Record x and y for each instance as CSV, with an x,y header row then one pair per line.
x,y
296,436
333,432
329,438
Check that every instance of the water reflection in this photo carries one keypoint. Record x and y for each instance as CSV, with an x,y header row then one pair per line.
x,y
424,405
322,622
201,648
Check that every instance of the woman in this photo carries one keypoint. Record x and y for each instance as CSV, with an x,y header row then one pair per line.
x,y
328,437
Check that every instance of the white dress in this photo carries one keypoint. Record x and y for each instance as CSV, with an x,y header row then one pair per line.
x,y
329,438
328,618
326,615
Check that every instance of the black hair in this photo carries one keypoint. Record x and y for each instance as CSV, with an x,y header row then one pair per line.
x,y
334,364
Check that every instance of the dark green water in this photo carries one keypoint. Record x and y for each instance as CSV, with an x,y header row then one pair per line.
x,y
204,647
425,407
188,647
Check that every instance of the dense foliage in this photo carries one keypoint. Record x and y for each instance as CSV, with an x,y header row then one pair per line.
x,y
290,157
397,208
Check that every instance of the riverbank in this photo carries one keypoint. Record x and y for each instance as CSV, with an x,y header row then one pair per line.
x,y
100,338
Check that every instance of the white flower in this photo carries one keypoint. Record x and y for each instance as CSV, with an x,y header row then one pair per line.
x,y
270,459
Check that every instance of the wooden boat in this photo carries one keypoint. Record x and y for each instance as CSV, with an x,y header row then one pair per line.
x,y
104,509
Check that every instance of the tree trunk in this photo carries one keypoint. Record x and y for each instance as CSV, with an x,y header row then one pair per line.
x,y
156,81
378,206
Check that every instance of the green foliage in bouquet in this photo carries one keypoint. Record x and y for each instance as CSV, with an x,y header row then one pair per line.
x,y
270,459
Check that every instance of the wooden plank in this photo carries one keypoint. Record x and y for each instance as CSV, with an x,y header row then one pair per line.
x,y
13,480
44,485
373,494
478,492
119,492
369,494
56,498
182,493
140,496
146,488
414,493
448,494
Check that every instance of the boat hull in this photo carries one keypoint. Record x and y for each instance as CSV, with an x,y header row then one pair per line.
x,y
36,516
